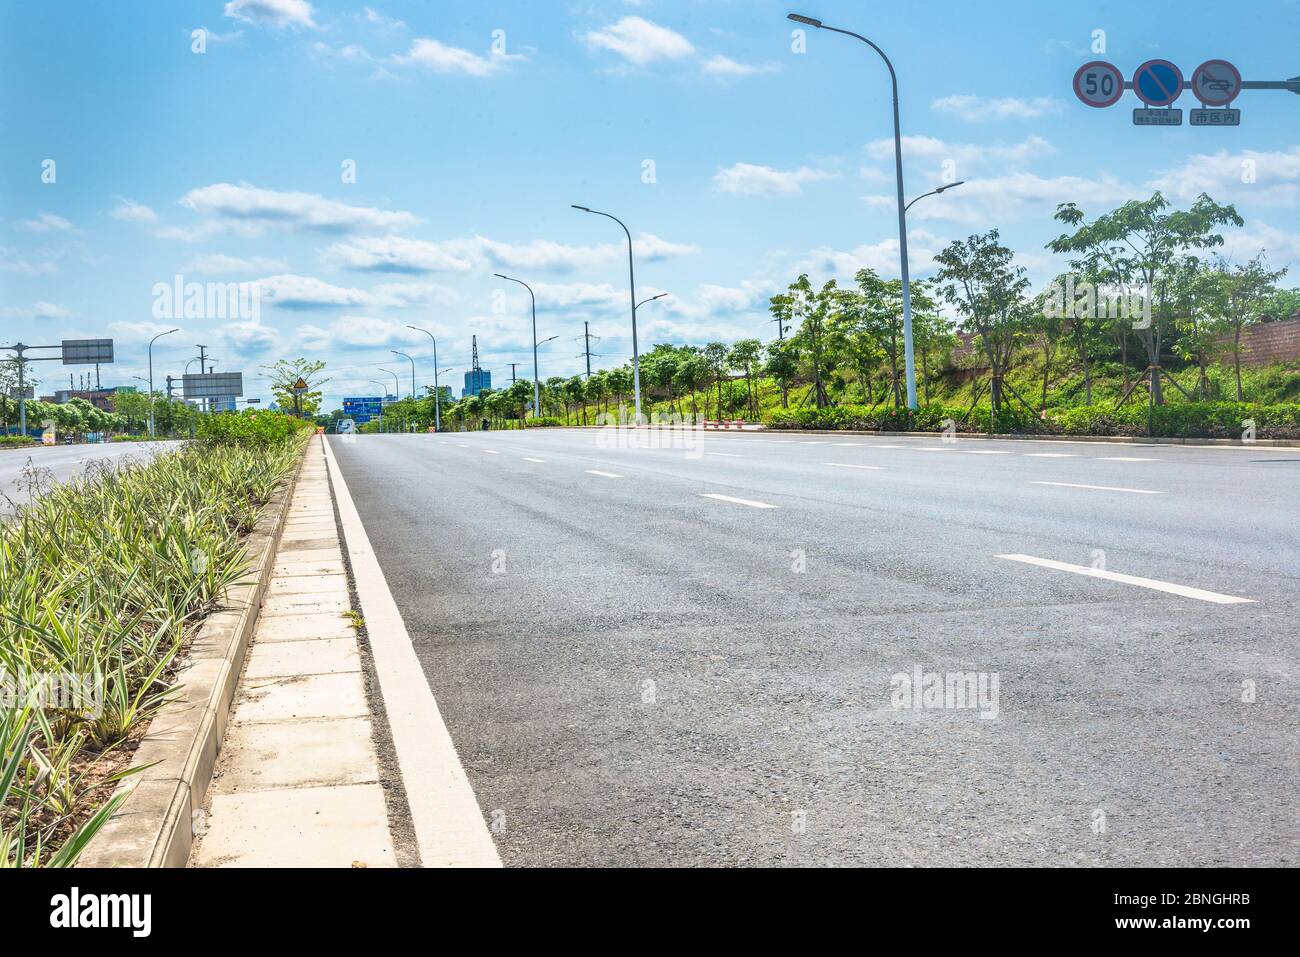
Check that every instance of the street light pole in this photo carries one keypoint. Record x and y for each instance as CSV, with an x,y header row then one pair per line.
x,y
537,388
631,276
437,400
909,354
383,419
405,356
933,192
151,342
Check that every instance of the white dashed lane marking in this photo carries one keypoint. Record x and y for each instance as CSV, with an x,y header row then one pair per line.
x,y
1103,488
602,474
538,461
843,465
738,501
1184,590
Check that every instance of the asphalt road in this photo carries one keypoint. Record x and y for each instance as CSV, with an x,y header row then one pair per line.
x,y
636,673
58,463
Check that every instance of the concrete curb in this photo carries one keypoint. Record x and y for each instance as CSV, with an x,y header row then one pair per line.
x,y
154,827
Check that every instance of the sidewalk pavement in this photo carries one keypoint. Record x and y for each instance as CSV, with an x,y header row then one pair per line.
x,y
297,781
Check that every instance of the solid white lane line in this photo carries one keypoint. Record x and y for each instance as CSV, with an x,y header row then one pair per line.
x,y
1051,455
1124,458
849,445
812,443
932,448
730,455
1103,488
842,465
1183,590
986,451
538,461
603,474
449,827
738,501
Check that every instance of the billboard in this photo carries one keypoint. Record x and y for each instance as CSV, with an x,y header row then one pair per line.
x,y
213,385
87,352
363,409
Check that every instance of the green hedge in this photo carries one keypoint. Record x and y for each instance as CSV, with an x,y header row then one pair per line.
x,y
16,441
545,422
250,428
1213,420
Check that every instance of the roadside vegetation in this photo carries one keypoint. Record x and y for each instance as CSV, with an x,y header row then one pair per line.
x,y
1145,331
102,582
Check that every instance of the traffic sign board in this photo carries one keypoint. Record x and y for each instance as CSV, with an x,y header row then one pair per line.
x,y
1099,83
1143,117
1158,82
300,386
1216,82
1215,117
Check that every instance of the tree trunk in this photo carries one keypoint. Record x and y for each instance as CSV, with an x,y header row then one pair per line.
x,y
1236,358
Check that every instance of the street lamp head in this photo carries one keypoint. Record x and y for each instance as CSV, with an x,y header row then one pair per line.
x,y
950,186
583,208
800,18
499,276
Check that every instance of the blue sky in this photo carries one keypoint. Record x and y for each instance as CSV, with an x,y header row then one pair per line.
x,y
473,127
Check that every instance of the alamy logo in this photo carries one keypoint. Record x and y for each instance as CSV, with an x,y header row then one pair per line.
x,y
207,300
75,909
953,691
1080,299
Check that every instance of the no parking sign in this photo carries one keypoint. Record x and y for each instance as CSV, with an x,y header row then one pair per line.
x,y
1158,83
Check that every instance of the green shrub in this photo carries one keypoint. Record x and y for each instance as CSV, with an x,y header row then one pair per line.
x,y
251,428
16,441
1223,420
102,580
544,422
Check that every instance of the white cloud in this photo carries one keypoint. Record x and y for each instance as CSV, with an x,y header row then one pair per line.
x,y
271,13
882,257
979,108
307,292
44,223
440,58
933,149
1270,178
639,41
37,310
220,263
1282,248
130,211
357,332
137,331
247,337
719,65
246,204
748,179
398,254
11,262
1000,199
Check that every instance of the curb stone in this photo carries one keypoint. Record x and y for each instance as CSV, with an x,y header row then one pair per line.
x,y
154,827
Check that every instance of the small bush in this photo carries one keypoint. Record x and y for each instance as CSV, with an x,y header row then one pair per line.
x,y
545,422
1210,420
251,428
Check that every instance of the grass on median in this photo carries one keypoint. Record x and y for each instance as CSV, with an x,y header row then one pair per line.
x,y
102,581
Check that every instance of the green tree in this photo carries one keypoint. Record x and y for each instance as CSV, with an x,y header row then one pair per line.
x,y
286,373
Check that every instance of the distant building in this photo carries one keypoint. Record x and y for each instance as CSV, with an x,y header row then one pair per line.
x,y
476,381
99,398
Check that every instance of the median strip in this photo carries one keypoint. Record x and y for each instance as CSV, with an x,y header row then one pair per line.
x,y
1103,488
738,501
1184,591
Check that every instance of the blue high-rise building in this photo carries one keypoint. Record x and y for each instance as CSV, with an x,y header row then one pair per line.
x,y
476,380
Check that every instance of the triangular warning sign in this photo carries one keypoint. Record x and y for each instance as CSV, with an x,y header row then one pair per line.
x,y
300,385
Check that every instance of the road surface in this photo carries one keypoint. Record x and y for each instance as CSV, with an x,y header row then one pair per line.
x,y
58,463
668,656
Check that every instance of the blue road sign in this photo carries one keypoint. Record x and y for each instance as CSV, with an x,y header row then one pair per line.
x,y
363,409
1158,82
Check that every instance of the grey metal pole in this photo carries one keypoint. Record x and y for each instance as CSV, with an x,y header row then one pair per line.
x,y
152,432
22,393
412,361
437,400
909,354
631,275
537,389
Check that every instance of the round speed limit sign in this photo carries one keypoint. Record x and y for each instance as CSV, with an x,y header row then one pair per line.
x,y
1099,84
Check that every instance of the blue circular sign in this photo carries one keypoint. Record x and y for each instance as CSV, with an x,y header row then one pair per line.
x,y
1158,83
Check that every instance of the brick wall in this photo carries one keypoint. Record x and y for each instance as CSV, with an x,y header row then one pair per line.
x,y
1268,342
